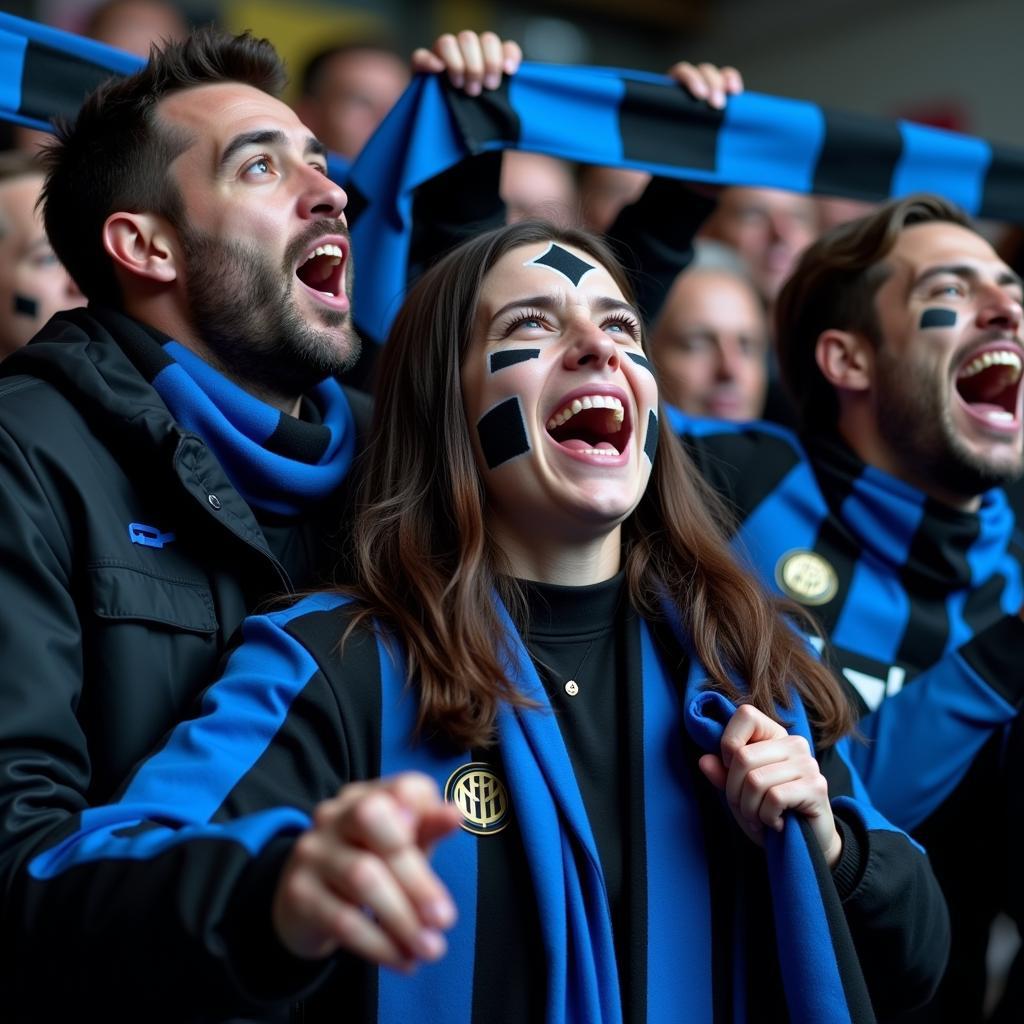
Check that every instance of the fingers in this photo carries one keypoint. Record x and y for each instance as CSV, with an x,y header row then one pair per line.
x,y
473,61
708,81
748,725
360,878
765,772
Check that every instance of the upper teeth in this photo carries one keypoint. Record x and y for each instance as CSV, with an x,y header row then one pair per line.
x,y
325,250
987,359
588,402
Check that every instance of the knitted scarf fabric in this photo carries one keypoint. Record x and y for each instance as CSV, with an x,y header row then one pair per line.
x,y
821,977
278,463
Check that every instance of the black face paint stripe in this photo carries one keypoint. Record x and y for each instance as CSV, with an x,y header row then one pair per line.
x,y
641,361
501,360
938,318
24,306
502,433
563,262
651,441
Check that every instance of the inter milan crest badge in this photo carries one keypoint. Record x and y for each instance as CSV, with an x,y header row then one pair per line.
x,y
480,796
806,577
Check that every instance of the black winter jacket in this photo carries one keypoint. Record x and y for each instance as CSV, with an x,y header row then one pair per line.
x,y
104,642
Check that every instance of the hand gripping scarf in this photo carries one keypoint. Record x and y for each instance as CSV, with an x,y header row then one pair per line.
x,y
821,976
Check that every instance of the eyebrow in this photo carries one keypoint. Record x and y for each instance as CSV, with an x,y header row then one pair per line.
x,y
551,302
1006,276
268,137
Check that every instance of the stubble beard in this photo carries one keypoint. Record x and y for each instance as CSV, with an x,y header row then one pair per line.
x,y
917,424
246,315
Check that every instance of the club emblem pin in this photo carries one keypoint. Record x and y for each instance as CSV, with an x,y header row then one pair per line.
x,y
481,798
806,577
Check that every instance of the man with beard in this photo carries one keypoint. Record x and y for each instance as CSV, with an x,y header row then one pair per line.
x,y
177,452
900,339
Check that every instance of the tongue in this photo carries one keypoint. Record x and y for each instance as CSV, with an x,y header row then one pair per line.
x,y
578,445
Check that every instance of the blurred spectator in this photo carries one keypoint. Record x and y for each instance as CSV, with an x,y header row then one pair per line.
x,y
33,283
348,89
604,191
835,210
710,343
535,185
135,25
769,228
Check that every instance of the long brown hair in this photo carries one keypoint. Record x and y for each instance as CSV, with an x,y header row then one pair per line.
x,y
426,567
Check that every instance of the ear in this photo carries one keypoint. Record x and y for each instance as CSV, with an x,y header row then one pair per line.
x,y
846,359
143,245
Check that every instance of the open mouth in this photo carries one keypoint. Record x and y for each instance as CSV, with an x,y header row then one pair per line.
x,y
595,425
989,385
323,270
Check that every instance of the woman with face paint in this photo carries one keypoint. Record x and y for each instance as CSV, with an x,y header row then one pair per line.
x,y
553,756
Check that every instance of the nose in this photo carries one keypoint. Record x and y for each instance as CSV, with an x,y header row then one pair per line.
x,y
320,196
999,308
590,347
729,359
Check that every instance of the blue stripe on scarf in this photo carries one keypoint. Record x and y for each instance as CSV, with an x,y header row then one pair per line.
x,y
810,973
235,425
12,59
575,917
439,993
678,896
750,148
888,512
206,757
940,161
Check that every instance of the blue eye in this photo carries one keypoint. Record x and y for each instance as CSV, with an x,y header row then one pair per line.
x,y
259,166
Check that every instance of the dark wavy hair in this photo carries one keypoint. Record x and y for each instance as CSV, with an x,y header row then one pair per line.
x,y
426,567
834,286
116,154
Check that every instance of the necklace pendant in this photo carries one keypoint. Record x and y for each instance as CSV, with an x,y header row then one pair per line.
x,y
572,687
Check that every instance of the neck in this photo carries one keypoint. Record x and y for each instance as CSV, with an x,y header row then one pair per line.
x,y
155,312
564,563
864,439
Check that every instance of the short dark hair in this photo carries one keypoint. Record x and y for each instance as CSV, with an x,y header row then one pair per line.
x,y
834,286
115,155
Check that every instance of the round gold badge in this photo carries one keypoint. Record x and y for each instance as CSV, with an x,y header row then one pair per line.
x,y
480,796
806,577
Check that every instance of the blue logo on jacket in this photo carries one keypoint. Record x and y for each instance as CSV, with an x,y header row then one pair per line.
x,y
148,536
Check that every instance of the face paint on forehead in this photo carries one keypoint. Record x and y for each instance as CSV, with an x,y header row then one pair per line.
x,y
501,360
24,306
641,361
502,432
938,318
651,440
562,262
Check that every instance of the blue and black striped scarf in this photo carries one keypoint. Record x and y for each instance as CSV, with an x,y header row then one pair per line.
x,y
821,976
278,463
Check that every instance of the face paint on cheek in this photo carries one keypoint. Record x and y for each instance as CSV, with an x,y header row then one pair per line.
x,y
502,433
501,360
651,440
938,318
24,306
562,262
641,361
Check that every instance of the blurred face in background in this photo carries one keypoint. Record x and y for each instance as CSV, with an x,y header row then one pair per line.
x,y
33,283
768,228
710,346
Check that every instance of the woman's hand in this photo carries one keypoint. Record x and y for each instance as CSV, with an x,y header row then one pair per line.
x,y
764,771
360,880
473,61
707,82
